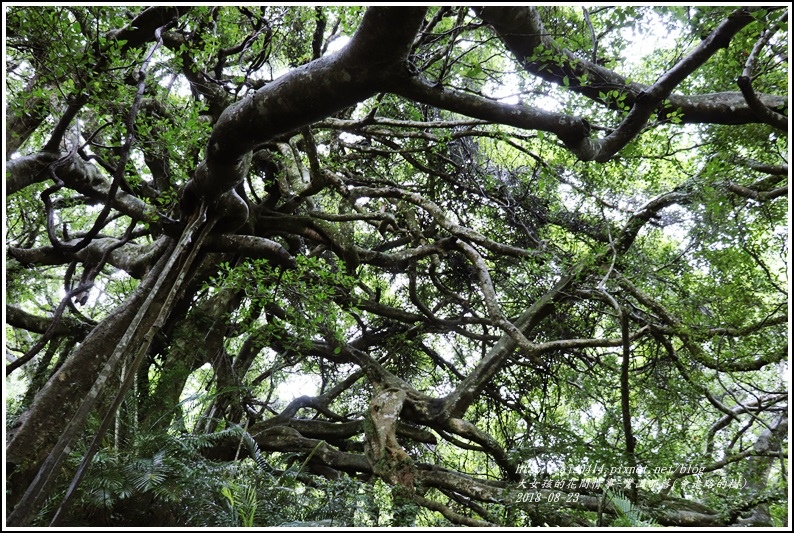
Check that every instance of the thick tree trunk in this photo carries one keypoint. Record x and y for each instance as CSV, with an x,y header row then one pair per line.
x,y
29,442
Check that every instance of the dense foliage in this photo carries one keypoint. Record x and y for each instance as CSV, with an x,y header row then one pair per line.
x,y
385,266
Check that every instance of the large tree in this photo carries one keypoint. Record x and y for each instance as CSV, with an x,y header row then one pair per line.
x,y
396,265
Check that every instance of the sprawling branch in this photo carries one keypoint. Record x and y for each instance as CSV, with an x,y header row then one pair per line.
x,y
573,131
312,92
135,259
78,175
523,32
19,318
745,82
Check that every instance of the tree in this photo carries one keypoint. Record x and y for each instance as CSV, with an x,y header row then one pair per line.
x,y
518,272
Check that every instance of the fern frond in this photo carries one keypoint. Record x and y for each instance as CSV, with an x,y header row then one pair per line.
x,y
628,512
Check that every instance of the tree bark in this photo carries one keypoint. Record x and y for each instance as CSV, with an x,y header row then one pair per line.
x,y
34,434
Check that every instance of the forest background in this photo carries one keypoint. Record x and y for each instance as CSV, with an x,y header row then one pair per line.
x,y
396,266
